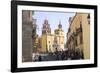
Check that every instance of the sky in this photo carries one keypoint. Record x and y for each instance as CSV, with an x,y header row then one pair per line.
x,y
53,18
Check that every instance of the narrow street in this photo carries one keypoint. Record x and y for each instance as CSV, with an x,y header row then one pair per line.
x,y
65,55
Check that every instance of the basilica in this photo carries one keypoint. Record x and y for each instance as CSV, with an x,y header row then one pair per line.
x,y
49,42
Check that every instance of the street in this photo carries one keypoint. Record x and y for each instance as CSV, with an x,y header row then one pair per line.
x,y
61,55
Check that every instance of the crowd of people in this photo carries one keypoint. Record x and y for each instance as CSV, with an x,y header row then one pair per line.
x,y
59,55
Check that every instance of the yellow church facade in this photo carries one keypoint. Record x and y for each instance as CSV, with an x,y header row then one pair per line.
x,y
78,35
46,43
51,42
59,38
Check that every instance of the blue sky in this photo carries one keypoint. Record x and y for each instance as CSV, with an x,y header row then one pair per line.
x,y
53,19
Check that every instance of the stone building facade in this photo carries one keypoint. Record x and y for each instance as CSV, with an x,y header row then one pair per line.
x,y
78,35
27,35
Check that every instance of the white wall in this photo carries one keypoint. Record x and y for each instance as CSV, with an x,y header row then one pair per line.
x,y
5,27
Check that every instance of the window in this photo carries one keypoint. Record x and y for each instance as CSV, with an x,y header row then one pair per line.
x,y
81,39
88,16
49,47
49,41
76,42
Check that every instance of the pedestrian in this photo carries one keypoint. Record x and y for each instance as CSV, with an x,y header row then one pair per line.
x,y
39,57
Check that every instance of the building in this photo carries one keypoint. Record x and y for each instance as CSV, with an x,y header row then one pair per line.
x,y
46,38
59,38
51,42
78,35
34,36
27,35
47,43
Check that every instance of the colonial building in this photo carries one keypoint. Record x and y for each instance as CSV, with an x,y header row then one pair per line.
x,y
78,36
51,42
46,38
26,36
59,38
